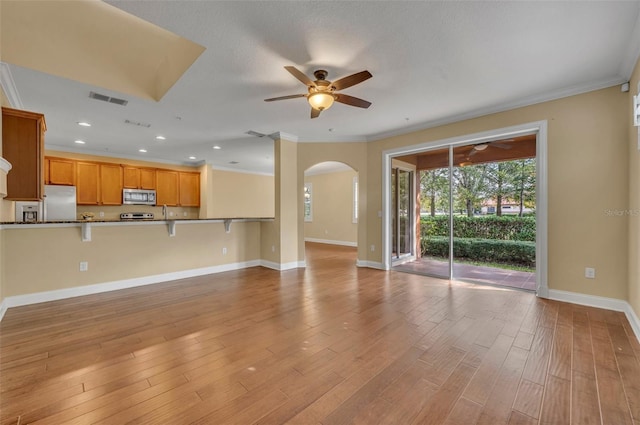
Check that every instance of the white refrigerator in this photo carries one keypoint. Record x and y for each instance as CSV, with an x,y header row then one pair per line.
x,y
59,203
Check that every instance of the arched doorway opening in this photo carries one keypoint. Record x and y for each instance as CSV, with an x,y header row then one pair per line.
x,y
331,213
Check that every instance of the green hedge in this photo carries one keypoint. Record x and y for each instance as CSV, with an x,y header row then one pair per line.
x,y
507,228
520,253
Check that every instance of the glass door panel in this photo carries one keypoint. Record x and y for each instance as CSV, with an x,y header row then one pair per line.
x,y
402,213
434,214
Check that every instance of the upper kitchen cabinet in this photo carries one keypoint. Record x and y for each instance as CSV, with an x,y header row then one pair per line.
x,y
189,189
23,147
167,187
99,184
88,187
110,184
138,178
60,171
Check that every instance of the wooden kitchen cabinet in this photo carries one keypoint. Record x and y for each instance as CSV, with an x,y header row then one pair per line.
x,y
23,147
189,189
167,184
110,184
98,184
138,178
87,188
147,178
60,171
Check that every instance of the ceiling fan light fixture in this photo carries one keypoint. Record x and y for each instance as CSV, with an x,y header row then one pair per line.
x,y
320,100
481,147
465,163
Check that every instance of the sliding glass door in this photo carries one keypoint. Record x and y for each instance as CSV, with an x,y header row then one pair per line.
x,y
402,213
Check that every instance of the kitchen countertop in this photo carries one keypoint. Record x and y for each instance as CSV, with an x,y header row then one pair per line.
x,y
129,221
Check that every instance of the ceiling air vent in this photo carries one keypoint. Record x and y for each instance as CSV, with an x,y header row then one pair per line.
x,y
139,124
105,98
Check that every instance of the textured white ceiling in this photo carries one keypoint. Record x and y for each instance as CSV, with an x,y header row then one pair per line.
x,y
432,62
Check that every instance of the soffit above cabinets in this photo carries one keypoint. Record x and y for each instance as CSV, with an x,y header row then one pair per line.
x,y
95,43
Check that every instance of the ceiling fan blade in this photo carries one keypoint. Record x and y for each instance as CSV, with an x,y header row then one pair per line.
x,y
351,80
351,101
473,152
300,76
500,145
315,113
292,96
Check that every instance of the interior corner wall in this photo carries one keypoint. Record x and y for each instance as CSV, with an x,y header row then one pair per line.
x,y
588,185
634,196
332,209
237,194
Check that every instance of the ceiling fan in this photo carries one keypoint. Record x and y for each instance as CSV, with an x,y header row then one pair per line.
x,y
322,92
501,144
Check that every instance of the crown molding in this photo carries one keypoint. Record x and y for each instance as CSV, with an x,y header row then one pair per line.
x,y
9,86
280,135
240,170
5,166
520,103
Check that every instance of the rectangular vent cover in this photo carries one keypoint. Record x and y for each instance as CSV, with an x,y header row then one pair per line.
x,y
105,98
139,124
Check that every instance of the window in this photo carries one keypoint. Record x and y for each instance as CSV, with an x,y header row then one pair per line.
x,y
308,202
355,200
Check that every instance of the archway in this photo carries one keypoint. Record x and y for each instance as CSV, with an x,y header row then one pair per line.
x,y
331,205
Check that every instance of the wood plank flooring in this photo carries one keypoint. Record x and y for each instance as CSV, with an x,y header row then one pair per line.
x,y
329,344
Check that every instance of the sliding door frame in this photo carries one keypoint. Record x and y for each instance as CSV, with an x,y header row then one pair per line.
x,y
539,128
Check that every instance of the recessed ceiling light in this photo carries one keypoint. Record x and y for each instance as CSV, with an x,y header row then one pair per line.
x,y
217,147
142,150
192,157
234,162
160,137
84,124
80,142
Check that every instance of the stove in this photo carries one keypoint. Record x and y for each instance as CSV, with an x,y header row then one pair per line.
x,y
136,216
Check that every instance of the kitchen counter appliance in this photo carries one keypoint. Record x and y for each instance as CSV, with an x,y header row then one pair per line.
x,y
138,197
136,216
28,211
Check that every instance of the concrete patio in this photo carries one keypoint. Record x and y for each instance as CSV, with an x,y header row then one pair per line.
x,y
470,272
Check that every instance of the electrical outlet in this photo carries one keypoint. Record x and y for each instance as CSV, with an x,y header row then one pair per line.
x,y
101,213
170,213
224,250
84,266
273,248
184,214
373,248
590,273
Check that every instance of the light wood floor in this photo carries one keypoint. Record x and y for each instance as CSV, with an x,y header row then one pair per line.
x,y
329,344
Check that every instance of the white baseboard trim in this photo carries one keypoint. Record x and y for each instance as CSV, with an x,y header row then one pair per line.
x,y
3,308
283,266
370,264
331,242
59,294
600,302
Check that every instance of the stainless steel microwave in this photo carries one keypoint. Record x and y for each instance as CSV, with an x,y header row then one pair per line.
x,y
138,197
